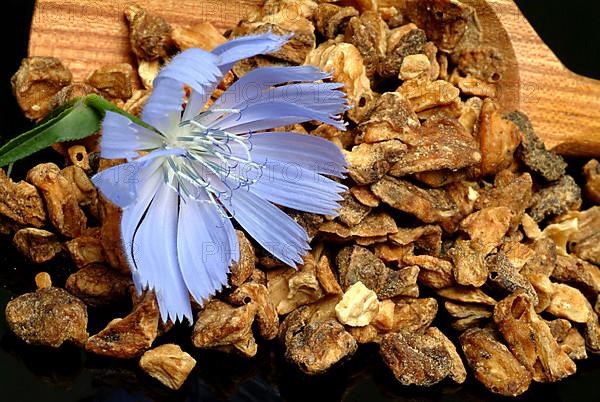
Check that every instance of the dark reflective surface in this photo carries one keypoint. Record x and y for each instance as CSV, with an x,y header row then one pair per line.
x,y
570,28
31,374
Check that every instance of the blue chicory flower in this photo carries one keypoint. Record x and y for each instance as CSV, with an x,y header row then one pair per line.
x,y
183,181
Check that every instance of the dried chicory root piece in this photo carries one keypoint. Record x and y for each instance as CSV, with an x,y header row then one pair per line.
x,y
203,35
21,202
266,313
591,171
493,364
168,364
43,280
243,269
86,249
358,307
315,342
422,359
36,83
63,207
38,245
568,338
128,337
149,35
220,325
113,81
531,340
429,206
98,285
345,62
49,317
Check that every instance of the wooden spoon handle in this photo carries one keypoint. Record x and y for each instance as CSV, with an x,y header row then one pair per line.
x,y
563,106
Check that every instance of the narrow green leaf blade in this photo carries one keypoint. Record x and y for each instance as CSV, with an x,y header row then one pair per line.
x,y
74,120
74,123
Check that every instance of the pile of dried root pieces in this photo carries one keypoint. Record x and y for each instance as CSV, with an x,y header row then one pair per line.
x,y
455,210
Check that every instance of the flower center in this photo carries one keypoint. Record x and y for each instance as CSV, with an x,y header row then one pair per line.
x,y
216,162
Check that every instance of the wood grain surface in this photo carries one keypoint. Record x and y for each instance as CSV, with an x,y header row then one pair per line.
x,y
564,107
86,34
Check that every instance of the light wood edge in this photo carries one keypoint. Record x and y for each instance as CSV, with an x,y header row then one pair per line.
x,y
564,106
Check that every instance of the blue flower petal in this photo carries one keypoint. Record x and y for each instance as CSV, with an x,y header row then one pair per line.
x,y
154,251
122,138
119,183
206,247
275,231
225,56
255,92
308,151
193,67
196,103
292,186
262,78
247,46
322,99
163,109
268,115
150,179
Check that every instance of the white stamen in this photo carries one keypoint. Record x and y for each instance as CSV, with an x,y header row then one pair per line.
x,y
209,152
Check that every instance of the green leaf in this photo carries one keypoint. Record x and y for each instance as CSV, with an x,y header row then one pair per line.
x,y
73,123
75,120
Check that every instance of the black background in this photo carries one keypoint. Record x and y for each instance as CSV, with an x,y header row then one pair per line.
x,y
571,29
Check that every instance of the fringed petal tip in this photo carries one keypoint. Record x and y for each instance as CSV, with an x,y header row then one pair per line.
x,y
338,122
167,313
247,46
347,105
328,75
335,212
279,40
292,257
338,171
175,315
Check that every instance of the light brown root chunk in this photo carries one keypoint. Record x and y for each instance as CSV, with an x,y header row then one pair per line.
x,y
168,364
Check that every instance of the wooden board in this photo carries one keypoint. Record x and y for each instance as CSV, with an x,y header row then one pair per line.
x,y
564,107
